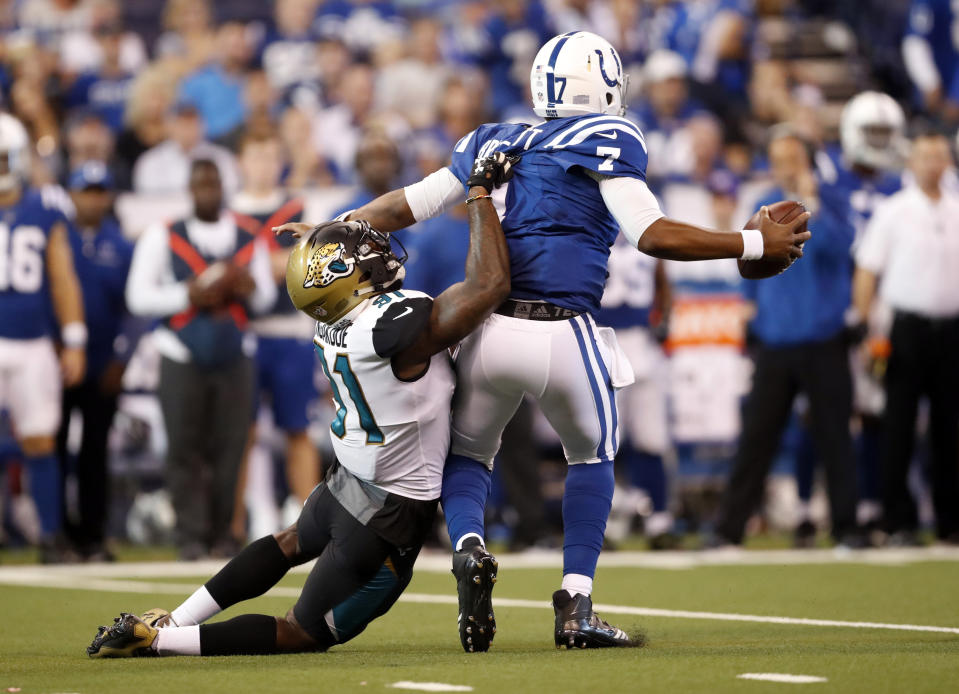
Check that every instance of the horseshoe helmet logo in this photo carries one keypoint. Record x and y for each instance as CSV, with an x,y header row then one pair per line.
x,y
327,264
602,69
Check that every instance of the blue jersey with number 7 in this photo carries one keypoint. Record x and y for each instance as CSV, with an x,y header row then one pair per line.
x,y
557,227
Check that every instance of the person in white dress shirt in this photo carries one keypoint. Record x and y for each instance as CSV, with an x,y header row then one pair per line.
x,y
910,252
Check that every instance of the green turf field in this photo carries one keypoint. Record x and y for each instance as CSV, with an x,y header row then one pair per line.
x,y
45,631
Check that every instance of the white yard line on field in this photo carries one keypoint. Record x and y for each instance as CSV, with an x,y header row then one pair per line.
x,y
431,686
781,677
437,561
46,578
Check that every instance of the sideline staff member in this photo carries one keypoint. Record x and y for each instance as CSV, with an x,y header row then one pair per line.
x,y
913,243
206,371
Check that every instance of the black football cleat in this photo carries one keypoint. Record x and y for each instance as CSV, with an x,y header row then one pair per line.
x,y
577,626
475,571
129,637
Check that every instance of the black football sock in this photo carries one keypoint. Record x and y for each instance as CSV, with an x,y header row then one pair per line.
x,y
249,574
248,634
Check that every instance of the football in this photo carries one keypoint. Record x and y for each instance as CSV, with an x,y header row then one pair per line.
x,y
782,212
220,281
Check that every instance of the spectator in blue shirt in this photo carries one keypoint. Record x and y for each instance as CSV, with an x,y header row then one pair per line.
x,y
102,258
217,89
712,36
288,52
799,326
513,34
105,90
663,110
364,25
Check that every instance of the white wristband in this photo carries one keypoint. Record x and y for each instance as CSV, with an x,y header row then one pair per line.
x,y
74,335
341,217
752,244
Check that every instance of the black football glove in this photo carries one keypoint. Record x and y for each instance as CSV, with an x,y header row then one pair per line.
x,y
492,172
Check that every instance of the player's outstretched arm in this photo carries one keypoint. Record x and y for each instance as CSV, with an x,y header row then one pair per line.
x,y
400,208
67,304
461,308
386,213
674,240
636,210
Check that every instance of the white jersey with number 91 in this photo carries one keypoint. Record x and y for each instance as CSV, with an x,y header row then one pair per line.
x,y
392,433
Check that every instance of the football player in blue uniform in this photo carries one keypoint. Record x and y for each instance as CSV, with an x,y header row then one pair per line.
x,y
36,274
874,147
581,179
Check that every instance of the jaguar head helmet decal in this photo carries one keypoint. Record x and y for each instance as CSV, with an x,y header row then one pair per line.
x,y
326,264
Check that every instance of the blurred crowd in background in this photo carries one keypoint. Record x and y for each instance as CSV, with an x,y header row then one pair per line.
x,y
143,110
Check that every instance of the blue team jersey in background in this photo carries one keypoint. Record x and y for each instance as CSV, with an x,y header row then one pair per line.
x,y
934,20
630,288
557,227
866,193
25,308
437,254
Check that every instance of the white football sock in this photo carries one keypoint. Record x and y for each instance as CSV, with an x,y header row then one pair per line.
x,y
196,609
658,523
177,641
868,511
459,542
577,583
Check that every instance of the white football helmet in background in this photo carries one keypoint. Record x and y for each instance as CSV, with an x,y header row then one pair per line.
x,y
15,144
577,73
871,130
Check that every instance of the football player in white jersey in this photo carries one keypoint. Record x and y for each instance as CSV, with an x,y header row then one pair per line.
x,y
384,350
582,179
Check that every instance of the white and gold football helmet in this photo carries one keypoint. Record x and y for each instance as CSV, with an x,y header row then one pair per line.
x,y
338,265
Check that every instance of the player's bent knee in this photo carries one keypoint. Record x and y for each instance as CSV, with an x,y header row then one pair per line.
x,y
293,638
289,542
34,446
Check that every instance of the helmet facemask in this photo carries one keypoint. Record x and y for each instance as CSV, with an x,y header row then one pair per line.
x,y
340,264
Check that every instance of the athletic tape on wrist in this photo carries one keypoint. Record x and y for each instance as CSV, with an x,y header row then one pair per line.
x,y
74,335
752,244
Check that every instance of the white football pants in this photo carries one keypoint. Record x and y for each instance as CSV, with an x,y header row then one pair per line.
x,y
572,368
642,406
30,386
